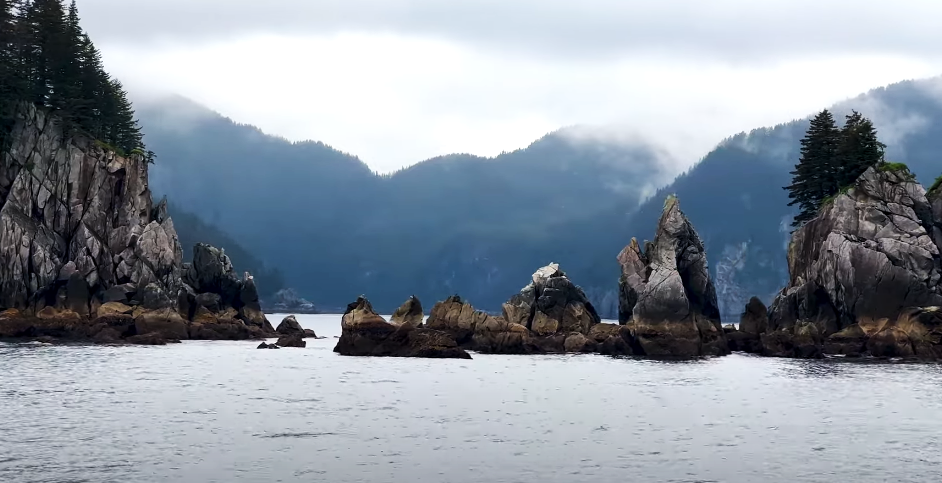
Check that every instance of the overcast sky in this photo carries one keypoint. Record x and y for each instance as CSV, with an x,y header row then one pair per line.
x,y
398,81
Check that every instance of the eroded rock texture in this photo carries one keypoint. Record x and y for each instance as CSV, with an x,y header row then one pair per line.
x,y
410,312
864,275
666,295
79,230
366,333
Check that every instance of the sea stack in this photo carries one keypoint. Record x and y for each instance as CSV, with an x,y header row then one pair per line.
x,y
666,296
864,275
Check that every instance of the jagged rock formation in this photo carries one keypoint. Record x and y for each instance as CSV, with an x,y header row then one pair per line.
x,y
864,275
366,333
410,312
666,295
78,230
551,304
287,300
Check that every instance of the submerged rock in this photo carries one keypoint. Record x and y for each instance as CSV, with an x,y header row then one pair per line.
x,y
410,312
366,333
859,272
265,345
667,291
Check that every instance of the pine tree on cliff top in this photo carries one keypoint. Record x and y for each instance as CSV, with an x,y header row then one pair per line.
x,y
815,176
859,149
48,60
831,160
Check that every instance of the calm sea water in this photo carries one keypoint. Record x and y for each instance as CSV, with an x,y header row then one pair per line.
x,y
226,412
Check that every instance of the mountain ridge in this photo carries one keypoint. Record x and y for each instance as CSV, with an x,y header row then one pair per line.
x,y
467,224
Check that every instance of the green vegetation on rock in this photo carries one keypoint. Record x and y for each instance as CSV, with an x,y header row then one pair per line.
x,y
936,185
48,60
831,159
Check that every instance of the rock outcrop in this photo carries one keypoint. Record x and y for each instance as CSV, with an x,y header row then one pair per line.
x,y
666,295
753,322
289,325
291,340
864,275
551,304
366,333
409,313
79,231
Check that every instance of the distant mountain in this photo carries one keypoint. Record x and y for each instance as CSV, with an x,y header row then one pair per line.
x,y
734,195
457,223
480,226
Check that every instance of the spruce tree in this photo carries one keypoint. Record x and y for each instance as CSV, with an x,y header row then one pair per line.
x,y
859,148
816,175
46,59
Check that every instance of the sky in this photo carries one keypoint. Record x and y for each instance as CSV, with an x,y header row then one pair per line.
x,y
398,81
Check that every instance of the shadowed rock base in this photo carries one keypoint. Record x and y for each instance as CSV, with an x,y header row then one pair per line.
x,y
365,333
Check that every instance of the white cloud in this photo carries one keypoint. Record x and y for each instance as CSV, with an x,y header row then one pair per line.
x,y
395,82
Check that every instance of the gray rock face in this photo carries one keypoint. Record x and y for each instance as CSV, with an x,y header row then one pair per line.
x,y
868,258
668,299
551,304
78,228
935,201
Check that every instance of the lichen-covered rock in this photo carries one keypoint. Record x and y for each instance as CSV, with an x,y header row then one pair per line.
x,y
79,230
498,336
456,317
611,339
860,270
410,312
366,333
551,304
675,313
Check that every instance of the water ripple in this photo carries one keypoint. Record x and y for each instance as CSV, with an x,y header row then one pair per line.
x,y
225,412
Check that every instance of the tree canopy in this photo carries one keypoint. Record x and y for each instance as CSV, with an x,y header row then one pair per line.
x,y
48,60
830,160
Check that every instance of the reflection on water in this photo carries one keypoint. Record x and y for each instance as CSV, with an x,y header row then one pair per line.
x,y
225,412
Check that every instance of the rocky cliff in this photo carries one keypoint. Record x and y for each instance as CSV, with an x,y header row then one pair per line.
x,y
864,275
79,231
666,295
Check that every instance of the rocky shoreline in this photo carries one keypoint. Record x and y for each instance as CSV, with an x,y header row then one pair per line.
x,y
85,255
865,281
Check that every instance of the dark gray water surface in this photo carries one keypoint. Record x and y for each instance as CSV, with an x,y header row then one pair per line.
x,y
226,412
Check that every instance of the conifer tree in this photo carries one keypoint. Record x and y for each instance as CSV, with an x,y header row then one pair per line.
x,y
48,60
859,148
816,174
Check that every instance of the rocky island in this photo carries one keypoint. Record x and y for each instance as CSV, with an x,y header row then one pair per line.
x,y
864,276
86,255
